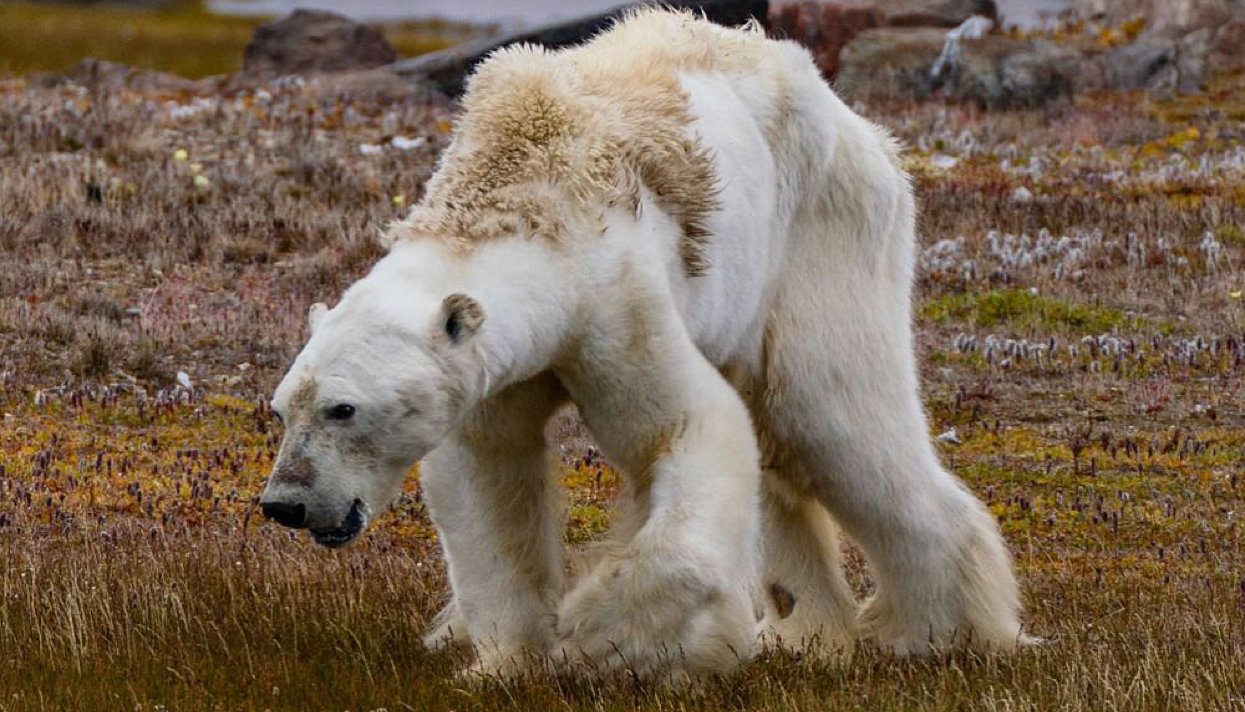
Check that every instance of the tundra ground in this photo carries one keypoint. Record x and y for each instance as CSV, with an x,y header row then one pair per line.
x,y
1080,321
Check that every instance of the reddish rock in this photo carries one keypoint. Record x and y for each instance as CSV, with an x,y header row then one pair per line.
x,y
309,42
1228,49
824,28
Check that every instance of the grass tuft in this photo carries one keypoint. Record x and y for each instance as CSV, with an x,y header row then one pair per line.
x,y
1023,311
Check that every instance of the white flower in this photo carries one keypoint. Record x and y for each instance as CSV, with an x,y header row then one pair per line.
x,y
183,380
407,144
370,149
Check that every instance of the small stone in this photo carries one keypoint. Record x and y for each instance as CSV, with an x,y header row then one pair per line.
x,y
1022,195
403,143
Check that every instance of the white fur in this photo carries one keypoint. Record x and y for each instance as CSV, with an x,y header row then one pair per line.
x,y
797,336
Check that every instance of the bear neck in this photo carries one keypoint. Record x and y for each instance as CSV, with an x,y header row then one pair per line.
x,y
522,285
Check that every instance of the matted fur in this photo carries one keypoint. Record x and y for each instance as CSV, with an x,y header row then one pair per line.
x,y
548,138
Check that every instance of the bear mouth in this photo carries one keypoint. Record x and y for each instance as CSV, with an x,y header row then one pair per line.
x,y
350,528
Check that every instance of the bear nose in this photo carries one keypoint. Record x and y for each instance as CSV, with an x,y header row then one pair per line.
x,y
289,515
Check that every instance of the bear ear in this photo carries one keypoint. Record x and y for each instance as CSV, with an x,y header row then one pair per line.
x,y
315,315
461,317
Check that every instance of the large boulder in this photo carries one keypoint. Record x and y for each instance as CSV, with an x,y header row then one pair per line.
x,y
1160,65
1165,18
824,28
890,62
995,70
447,70
1185,41
1002,71
309,42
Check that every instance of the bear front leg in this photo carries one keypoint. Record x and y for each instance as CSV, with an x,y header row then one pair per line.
x,y
675,592
491,493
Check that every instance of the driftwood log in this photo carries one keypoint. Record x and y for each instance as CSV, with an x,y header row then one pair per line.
x,y
447,70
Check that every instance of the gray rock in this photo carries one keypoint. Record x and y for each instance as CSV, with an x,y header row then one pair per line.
x,y
1145,64
1159,65
1033,73
111,76
995,71
1164,18
999,71
377,84
309,42
890,62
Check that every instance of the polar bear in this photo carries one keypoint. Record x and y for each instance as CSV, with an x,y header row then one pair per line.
x,y
680,228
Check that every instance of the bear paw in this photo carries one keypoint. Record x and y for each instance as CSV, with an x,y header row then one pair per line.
x,y
655,621
447,630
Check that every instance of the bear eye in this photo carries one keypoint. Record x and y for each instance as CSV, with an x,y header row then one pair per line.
x,y
341,411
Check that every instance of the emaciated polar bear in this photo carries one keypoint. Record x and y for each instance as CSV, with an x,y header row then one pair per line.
x,y
683,230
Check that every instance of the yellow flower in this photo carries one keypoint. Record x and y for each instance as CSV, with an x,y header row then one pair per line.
x,y
1235,295
399,199
181,155
196,167
201,181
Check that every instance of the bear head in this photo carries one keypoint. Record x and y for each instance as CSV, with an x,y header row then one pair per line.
x,y
382,381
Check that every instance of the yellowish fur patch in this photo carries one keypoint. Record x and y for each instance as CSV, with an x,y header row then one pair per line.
x,y
547,141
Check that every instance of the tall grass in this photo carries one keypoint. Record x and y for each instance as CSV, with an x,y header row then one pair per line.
x,y
127,615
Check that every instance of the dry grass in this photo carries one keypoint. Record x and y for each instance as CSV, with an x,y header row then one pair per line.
x,y
1093,375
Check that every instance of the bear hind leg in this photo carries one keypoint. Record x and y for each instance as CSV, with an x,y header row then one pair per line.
x,y
843,398
809,607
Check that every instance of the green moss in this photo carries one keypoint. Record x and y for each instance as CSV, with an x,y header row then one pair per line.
x,y
1021,310
1230,234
